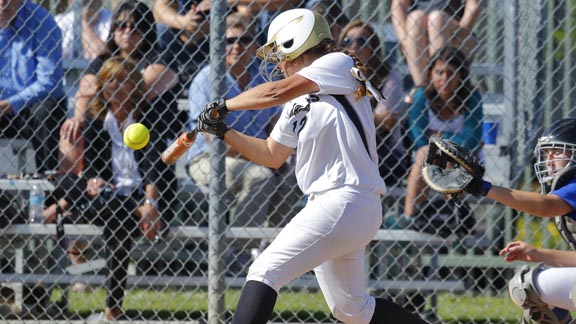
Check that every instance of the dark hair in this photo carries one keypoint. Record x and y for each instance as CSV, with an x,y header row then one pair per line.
x,y
457,60
144,23
378,68
331,11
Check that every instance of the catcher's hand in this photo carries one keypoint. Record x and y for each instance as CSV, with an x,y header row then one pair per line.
x,y
451,169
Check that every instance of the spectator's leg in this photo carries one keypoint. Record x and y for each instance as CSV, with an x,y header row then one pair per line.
x,y
77,251
444,30
47,117
415,46
119,232
253,186
416,189
199,169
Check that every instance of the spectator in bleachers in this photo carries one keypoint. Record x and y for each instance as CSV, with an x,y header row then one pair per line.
x,y
95,26
183,30
133,37
332,11
449,106
425,26
250,186
261,13
32,98
359,38
120,189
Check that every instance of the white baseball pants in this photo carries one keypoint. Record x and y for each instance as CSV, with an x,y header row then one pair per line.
x,y
329,235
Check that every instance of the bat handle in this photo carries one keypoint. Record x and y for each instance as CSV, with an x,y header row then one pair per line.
x,y
179,147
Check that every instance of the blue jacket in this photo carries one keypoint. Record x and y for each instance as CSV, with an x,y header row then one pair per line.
x,y
31,58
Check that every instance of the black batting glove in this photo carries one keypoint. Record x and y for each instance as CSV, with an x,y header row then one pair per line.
x,y
216,111
216,128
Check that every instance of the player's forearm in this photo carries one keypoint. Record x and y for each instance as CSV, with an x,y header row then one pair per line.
x,y
556,258
254,99
272,94
529,202
252,148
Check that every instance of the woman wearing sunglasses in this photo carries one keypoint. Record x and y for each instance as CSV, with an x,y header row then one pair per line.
x,y
133,37
359,38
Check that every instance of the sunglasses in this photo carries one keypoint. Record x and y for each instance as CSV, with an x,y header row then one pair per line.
x,y
244,40
360,41
122,25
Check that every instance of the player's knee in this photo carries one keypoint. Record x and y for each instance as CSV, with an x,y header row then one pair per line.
x,y
521,287
260,273
525,294
352,311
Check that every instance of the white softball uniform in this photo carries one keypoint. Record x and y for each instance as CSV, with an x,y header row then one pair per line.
x,y
555,287
343,185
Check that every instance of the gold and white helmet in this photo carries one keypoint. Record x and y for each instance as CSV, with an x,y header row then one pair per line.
x,y
292,33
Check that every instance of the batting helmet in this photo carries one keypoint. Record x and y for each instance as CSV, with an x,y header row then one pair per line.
x,y
292,33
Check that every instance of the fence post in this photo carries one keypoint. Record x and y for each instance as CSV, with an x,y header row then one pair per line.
x,y
217,209
510,95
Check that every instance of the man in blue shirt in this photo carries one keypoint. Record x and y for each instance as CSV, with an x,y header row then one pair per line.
x,y
250,187
32,97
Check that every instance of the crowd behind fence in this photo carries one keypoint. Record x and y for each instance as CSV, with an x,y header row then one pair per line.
x,y
181,264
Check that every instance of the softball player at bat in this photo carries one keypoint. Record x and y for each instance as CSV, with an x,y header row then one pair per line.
x,y
336,167
545,291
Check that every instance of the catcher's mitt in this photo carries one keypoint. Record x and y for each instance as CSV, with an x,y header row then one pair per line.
x,y
450,169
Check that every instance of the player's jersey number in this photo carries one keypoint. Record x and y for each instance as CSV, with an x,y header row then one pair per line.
x,y
298,125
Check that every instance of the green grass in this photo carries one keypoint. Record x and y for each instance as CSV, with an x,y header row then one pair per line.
x,y
291,306
477,309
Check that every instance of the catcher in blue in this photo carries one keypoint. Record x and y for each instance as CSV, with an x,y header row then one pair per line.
x,y
327,119
546,291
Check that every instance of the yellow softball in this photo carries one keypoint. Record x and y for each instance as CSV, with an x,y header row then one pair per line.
x,y
136,136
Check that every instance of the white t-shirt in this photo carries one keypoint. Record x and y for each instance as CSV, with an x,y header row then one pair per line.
x,y
329,150
66,23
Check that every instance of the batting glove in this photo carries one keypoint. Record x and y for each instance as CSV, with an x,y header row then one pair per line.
x,y
216,111
218,128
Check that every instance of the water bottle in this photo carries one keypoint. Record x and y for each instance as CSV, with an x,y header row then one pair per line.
x,y
36,205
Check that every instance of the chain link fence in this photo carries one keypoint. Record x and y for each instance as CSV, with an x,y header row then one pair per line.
x,y
158,63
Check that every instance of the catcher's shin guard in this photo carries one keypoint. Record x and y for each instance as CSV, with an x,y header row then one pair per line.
x,y
524,293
